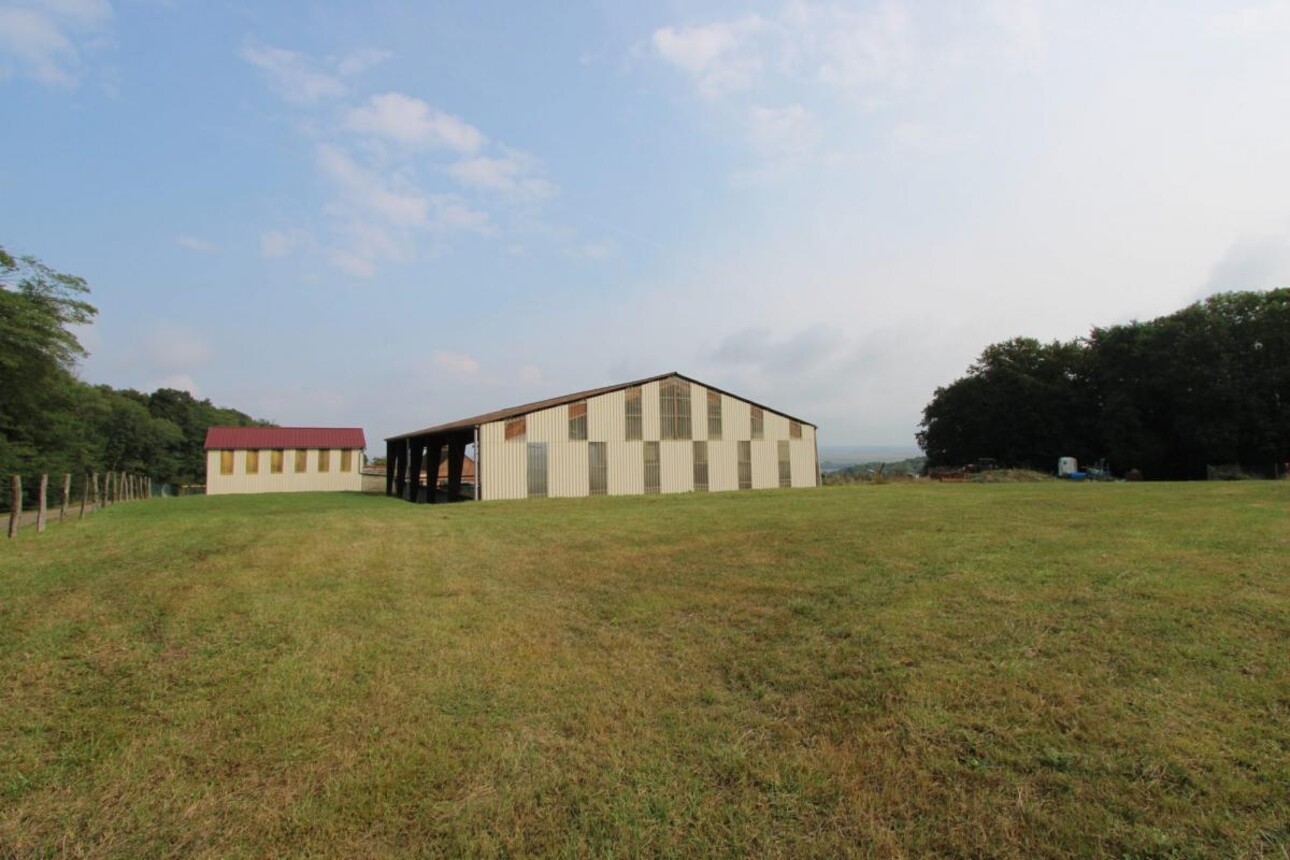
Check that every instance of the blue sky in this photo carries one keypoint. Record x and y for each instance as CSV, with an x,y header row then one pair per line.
x,y
395,214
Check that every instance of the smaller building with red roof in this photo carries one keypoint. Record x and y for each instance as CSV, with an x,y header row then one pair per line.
x,y
283,459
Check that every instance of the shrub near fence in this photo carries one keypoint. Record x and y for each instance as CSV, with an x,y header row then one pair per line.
x,y
95,492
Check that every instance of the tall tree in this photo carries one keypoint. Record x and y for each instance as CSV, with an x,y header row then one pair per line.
x,y
38,352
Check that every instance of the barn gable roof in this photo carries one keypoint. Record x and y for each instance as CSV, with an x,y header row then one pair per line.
x,y
538,406
284,437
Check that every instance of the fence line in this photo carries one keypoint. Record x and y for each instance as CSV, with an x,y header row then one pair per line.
x,y
116,487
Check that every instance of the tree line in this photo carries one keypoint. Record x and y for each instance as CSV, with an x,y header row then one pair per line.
x,y
52,422
1207,385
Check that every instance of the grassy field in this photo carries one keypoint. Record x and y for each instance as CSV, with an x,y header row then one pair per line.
x,y
1042,670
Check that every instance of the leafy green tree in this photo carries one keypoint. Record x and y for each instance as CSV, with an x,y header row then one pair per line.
x,y
1207,385
1022,403
38,352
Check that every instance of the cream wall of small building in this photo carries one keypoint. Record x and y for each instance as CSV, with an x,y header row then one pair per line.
x,y
503,465
287,481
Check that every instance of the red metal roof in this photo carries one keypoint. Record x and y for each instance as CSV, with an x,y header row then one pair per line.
x,y
285,437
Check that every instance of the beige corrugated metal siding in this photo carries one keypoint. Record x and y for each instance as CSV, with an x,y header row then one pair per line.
x,y
288,481
503,465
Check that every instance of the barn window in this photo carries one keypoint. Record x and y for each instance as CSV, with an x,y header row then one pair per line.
x,y
758,423
700,467
795,429
651,467
302,460
632,413
253,462
674,408
346,460
324,460
226,462
597,468
515,429
745,465
275,461
785,464
537,470
714,415
578,421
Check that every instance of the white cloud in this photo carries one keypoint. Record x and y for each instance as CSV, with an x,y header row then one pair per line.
x,y
510,173
1254,19
782,133
721,57
456,363
360,61
192,243
530,375
370,191
597,250
280,243
1261,263
292,75
411,121
46,40
388,158
172,348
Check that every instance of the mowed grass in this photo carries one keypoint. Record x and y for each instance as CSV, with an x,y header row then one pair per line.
x,y
1046,670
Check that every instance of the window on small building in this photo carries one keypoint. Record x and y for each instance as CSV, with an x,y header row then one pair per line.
x,y
578,421
515,429
700,467
253,462
302,460
674,408
275,461
745,465
226,462
324,460
537,470
346,460
795,429
651,467
714,415
598,468
758,423
632,414
785,464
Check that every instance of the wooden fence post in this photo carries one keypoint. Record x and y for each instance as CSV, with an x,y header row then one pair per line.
x,y
94,482
15,509
43,497
85,496
67,491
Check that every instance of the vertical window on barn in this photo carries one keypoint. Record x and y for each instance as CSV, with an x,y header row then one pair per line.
x,y
651,467
795,429
275,461
745,465
253,462
578,422
758,423
700,467
597,468
537,470
632,414
714,415
674,408
324,459
226,462
515,429
302,460
346,460
785,464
